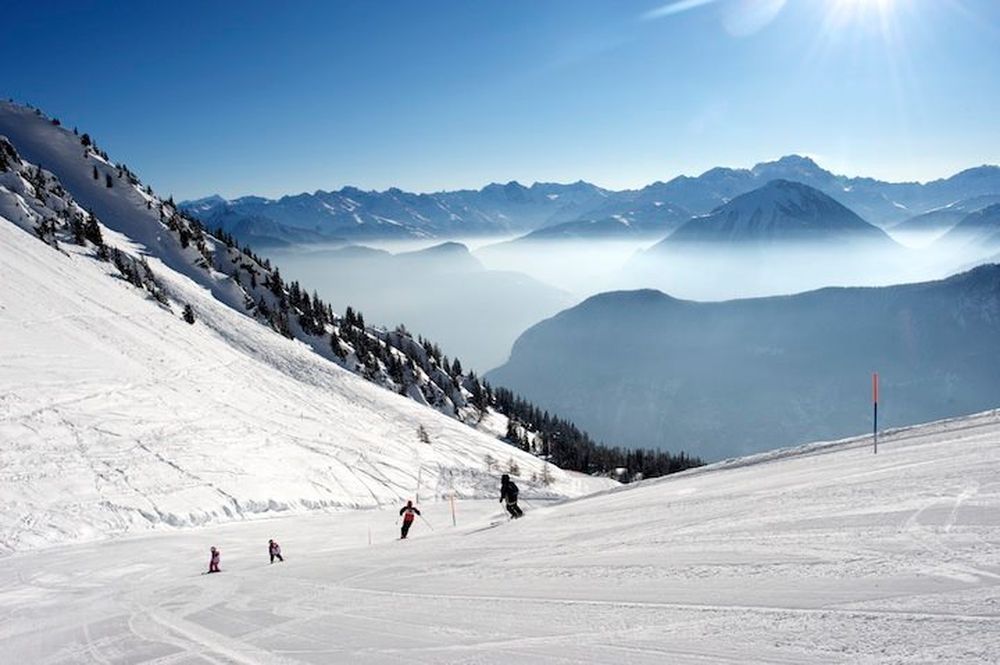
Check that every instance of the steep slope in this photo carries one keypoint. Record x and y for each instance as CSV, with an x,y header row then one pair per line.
x,y
779,212
722,379
236,277
117,415
823,555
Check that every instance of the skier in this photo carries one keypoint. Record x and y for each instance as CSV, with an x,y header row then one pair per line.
x,y
274,549
508,493
408,513
213,564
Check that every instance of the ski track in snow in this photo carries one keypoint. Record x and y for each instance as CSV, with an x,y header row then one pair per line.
x,y
116,416
827,554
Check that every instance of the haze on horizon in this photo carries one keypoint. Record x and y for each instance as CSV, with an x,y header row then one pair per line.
x,y
272,100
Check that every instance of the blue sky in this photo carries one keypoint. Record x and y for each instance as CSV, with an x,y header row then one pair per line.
x,y
272,98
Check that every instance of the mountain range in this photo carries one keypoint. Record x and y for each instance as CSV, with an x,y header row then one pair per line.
x,y
728,378
512,208
940,220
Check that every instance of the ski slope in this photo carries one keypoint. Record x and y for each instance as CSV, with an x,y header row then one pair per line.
x,y
823,554
117,416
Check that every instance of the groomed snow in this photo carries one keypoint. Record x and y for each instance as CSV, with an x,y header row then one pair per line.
x,y
828,554
117,416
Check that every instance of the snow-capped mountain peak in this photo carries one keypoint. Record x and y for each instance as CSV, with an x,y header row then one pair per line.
x,y
780,211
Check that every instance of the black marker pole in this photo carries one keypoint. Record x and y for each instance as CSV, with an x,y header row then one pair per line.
x,y
875,411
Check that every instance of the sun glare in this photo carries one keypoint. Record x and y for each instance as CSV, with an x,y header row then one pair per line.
x,y
848,11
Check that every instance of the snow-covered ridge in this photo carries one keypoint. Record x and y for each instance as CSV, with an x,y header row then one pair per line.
x,y
117,415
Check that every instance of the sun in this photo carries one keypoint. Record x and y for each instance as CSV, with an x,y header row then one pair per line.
x,y
882,4
858,9
858,13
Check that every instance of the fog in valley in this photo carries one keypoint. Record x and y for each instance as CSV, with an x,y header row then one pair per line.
x,y
441,291
475,296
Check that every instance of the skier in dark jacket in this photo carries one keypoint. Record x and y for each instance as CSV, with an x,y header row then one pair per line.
x,y
274,549
408,513
213,563
508,493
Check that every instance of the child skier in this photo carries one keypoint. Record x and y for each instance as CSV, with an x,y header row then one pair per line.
x,y
408,512
508,493
274,549
213,563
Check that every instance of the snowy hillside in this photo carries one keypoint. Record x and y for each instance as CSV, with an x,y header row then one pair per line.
x,y
826,554
116,415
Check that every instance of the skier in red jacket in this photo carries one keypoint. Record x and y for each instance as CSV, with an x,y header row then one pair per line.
x,y
409,513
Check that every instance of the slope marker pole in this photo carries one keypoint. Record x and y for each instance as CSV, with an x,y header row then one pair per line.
x,y
875,412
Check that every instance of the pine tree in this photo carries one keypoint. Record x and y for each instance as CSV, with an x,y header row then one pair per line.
x,y
277,286
92,230
513,431
96,175
188,314
108,181
79,234
338,350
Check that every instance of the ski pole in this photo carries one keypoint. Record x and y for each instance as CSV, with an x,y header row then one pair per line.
x,y
427,523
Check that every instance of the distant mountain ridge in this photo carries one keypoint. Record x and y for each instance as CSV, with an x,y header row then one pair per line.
x,y
981,227
517,209
358,214
729,378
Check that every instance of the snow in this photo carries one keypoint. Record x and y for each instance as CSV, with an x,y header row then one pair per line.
x,y
116,416
823,554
